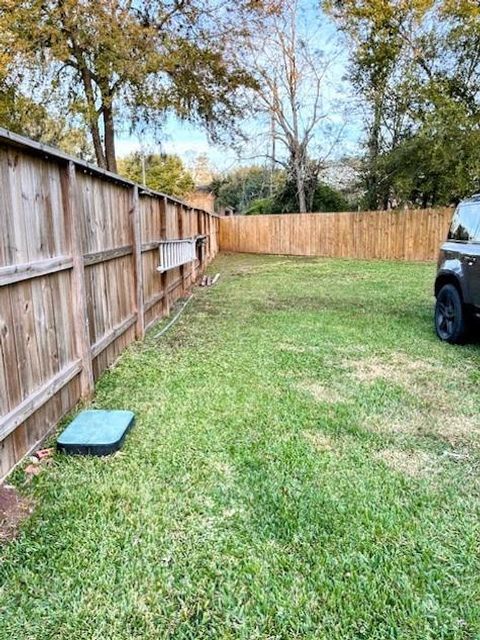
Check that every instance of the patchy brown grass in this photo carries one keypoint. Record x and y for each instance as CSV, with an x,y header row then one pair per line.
x,y
456,428
319,441
399,368
452,428
321,392
436,393
14,509
413,464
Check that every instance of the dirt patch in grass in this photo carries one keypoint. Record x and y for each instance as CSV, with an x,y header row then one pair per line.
x,y
14,509
321,392
452,428
319,441
413,464
399,368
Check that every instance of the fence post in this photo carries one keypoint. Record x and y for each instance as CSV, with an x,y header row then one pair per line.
x,y
203,251
181,233
79,298
209,237
164,277
138,266
199,227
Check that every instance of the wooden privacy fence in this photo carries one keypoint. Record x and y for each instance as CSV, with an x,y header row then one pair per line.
x,y
397,235
79,251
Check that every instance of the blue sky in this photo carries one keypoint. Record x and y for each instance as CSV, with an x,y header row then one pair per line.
x,y
183,139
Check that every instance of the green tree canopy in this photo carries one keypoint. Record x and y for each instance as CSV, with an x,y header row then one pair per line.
x,y
256,190
164,173
416,66
117,63
240,187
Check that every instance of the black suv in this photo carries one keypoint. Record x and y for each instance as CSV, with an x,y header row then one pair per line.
x,y
457,285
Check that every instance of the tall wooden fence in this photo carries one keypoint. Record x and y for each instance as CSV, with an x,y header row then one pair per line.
x,y
396,235
78,280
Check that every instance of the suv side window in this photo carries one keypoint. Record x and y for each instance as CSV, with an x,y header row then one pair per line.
x,y
465,225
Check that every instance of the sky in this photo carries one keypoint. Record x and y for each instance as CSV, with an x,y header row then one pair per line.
x,y
183,139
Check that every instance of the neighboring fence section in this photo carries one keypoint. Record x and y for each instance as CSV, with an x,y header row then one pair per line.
x,y
397,235
79,251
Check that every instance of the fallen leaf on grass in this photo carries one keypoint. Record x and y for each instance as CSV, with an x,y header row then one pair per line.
x,y
45,453
33,470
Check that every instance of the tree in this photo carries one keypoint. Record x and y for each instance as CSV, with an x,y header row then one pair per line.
x,y
324,198
164,173
384,54
240,187
22,115
249,191
440,162
290,72
416,65
437,161
118,63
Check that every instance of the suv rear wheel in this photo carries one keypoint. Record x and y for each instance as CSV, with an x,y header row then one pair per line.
x,y
450,317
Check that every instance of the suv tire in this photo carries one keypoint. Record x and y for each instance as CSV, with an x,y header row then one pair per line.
x,y
450,316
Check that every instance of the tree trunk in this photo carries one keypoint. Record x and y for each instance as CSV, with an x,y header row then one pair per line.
x,y
302,201
93,118
97,144
109,127
300,181
92,115
373,195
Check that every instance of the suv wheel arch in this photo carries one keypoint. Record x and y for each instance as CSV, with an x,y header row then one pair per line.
x,y
448,278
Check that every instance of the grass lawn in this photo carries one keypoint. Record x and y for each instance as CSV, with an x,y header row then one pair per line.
x,y
304,465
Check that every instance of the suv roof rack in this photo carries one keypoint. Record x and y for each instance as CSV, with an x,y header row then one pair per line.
x,y
475,196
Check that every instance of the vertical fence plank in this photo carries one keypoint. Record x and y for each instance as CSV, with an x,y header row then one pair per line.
x,y
79,300
164,276
137,258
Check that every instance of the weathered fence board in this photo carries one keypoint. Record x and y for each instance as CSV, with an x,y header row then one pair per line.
x,y
392,235
78,280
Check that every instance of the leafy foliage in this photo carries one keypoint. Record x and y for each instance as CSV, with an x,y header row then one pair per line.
x,y
260,206
440,162
240,187
118,63
255,190
21,114
24,116
417,67
322,196
164,173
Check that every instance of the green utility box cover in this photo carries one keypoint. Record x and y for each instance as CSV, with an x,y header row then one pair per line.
x,y
96,432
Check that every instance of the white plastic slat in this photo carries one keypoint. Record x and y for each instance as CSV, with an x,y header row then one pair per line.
x,y
174,253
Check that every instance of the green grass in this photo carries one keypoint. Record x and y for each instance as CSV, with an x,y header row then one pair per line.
x,y
304,465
